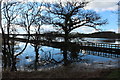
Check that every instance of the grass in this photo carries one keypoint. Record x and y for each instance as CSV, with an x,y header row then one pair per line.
x,y
70,71
114,74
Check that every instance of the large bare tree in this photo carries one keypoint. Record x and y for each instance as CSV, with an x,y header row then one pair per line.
x,y
70,15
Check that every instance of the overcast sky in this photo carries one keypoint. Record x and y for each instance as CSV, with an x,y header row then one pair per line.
x,y
105,8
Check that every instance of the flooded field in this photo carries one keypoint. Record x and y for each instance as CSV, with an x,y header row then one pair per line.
x,y
51,60
26,60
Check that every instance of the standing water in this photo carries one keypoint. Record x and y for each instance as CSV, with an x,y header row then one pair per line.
x,y
46,53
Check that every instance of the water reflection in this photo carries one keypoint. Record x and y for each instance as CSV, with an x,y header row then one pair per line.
x,y
50,56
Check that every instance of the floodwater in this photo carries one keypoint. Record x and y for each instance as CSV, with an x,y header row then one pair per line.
x,y
26,60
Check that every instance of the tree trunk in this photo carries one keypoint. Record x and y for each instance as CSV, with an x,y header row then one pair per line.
x,y
8,60
4,51
65,50
4,60
8,45
36,57
13,68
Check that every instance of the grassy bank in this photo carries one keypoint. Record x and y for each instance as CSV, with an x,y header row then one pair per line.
x,y
65,72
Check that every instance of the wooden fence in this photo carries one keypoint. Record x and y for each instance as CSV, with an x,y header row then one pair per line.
x,y
102,45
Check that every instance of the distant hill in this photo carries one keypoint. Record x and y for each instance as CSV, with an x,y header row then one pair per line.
x,y
105,34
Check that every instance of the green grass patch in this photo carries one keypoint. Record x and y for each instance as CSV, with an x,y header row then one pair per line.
x,y
114,74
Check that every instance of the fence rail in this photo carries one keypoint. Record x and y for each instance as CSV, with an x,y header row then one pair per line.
x,y
102,45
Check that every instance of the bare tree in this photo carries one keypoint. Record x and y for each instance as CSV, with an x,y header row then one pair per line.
x,y
36,8
32,20
11,13
70,15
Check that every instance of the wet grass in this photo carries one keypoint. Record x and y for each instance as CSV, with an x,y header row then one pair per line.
x,y
65,72
114,74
